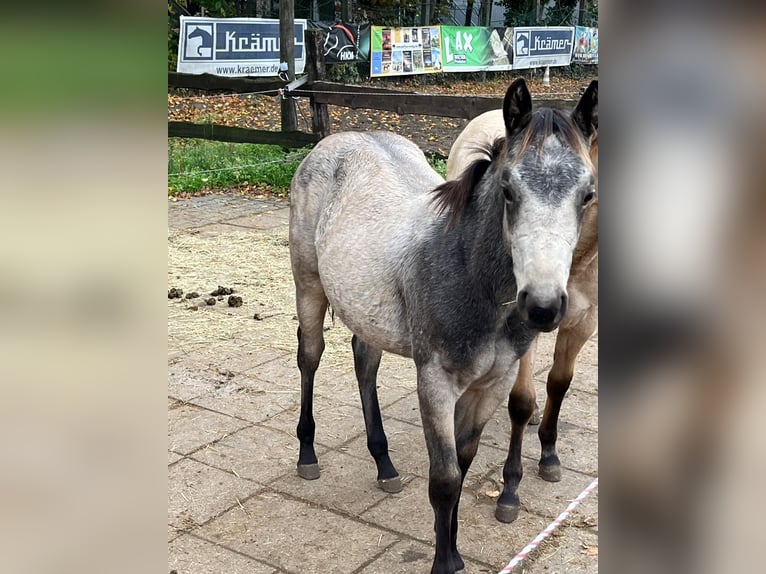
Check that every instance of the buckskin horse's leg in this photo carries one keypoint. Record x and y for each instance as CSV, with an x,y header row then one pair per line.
x,y
437,410
311,305
568,344
366,363
521,405
527,369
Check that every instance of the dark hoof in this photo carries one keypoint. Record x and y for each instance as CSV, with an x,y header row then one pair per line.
x,y
390,485
505,513
551,473
308,471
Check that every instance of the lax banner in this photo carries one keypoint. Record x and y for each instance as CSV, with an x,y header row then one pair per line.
x,y
405,51
475,49
538,47
344,42
235,46
586,45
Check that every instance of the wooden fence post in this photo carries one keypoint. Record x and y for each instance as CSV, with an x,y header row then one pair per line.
x,y
287,54
320,114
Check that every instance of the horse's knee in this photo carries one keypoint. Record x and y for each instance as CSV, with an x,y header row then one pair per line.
x,y
444,487
521,406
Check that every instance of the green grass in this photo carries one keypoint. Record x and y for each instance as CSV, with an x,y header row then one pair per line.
x,y
196,164
439,164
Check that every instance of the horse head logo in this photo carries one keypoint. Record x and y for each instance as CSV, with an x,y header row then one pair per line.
x,y
199,42
522,44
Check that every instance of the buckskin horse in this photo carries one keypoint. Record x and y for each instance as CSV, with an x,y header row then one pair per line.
x,y
580,320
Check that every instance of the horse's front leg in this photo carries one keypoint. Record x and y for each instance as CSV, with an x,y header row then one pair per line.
x,y
437,397
521,406
569,342
473,410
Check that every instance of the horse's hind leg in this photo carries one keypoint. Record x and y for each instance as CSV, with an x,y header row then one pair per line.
x,y
568,345
521,406
366,363
311,305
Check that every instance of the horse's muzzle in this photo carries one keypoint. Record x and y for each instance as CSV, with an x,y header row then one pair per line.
x,y
541,313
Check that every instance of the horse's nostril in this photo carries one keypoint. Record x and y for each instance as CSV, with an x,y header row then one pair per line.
x,y
521,299
543,315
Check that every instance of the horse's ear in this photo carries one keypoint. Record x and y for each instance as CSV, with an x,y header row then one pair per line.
x,y
517,106
585,115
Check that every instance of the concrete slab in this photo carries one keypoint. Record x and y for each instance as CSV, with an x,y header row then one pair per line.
x,y
336,424
257,453
190,555
197,493
408,556
248,398
263,221
191,427
345,484
297,536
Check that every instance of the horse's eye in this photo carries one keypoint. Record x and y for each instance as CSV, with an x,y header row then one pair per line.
x,y
588,197
508,193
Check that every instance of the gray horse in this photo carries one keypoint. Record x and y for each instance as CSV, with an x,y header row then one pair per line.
x,y
460,276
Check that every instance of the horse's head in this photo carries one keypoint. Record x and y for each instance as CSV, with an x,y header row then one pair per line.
x,y
547,180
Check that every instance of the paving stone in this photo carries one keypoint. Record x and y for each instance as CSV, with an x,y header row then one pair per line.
x,y
296,536
190,427
342,387
405,409
346,483
580,408
282,371
197,492
191,555
249,360
567,551
214,208
188,379
263,221
480,537
335,423
256,453
248,398
407,447
173,457
408,556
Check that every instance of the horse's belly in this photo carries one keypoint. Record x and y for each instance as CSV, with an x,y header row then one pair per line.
x,y
368,304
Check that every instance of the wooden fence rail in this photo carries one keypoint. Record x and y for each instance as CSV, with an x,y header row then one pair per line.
x,y
240,135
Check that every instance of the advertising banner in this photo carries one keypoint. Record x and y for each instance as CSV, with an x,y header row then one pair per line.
x,y
586,45
405,51
475,49
235,46
344,42
537,47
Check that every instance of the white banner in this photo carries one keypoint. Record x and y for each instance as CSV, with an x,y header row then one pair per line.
x,y
538,47
235,46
